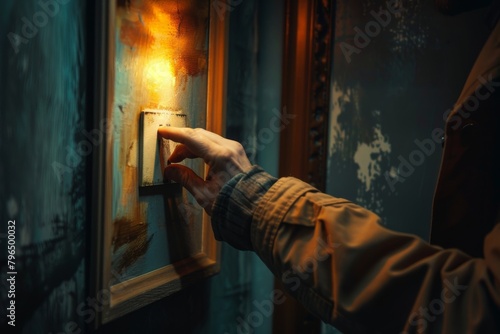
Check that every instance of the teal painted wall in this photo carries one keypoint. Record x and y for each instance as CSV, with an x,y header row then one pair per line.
x,y
44,161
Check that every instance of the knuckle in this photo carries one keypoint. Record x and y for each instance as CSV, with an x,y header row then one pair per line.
x,y
238,148
226,156
198,131
197,134
233,149
240,153
189,132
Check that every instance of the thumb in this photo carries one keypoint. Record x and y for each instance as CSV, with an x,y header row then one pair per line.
x,y
186,177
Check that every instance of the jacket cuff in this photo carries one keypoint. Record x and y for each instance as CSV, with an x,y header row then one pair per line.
x,y
233,208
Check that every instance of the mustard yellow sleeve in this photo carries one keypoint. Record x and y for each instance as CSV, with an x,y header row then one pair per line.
x,y
347,269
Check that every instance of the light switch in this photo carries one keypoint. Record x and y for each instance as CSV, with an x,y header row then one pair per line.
x,y
154,150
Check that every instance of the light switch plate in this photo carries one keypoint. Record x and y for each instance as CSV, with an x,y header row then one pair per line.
x,y
154,150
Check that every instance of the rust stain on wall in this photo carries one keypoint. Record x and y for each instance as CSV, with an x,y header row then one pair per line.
x,y
132,235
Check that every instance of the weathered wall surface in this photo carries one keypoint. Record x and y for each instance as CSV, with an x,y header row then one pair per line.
x,y
396,72
43,164
390,91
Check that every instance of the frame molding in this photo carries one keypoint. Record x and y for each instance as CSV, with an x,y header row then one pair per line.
x,y
137,292
307,60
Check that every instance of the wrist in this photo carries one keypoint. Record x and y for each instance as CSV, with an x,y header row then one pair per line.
x,y
233,209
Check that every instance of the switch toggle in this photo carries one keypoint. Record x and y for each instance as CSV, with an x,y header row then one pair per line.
x,y
154,150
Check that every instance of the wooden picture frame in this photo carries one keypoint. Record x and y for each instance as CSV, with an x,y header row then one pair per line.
x,y
125,297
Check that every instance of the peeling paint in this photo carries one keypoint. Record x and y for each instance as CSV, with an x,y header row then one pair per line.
x,y
369,156
357,141
393,91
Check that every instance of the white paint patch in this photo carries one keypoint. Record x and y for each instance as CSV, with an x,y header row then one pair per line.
x,y
337,134
369,156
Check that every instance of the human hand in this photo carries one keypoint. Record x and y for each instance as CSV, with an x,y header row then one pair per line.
x,y
225,158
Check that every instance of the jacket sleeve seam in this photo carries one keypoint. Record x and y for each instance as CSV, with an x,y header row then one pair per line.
x,y
271,227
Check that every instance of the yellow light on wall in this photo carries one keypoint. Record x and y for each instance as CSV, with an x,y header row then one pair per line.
x,y
160,78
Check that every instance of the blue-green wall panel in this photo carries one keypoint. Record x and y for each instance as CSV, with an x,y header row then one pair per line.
x,y
42,173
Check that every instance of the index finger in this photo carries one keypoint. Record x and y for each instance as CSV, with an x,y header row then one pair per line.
x,y
198,141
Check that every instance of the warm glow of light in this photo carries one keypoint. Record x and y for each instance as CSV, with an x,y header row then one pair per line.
x,y
160,78
158,58
165,40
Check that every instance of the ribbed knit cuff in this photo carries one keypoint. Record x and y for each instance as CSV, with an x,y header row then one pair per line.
x,y
234,207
